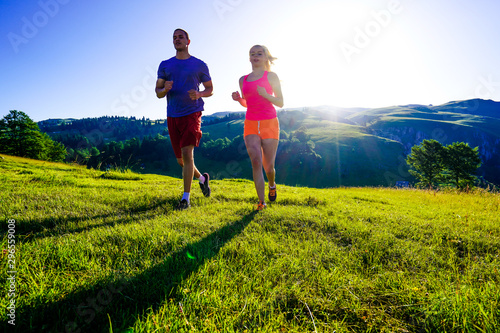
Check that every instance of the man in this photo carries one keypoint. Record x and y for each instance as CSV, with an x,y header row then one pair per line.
x,y
179,79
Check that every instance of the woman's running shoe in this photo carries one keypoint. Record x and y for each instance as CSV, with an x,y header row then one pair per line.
x,y
261,206
272,193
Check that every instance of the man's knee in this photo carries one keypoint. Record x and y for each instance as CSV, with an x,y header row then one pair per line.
x,y
187,153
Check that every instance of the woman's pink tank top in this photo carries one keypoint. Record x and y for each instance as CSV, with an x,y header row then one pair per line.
x,y
258,108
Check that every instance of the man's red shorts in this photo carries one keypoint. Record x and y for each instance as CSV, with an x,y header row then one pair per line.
x,y
184,131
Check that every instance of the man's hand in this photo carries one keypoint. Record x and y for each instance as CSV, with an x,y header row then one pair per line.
x,y
163,87
168,86
194,95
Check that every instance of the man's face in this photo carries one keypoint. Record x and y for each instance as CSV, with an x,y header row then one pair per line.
x,y
180,41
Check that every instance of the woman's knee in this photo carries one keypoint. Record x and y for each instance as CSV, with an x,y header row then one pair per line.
x,y
256,161
269,168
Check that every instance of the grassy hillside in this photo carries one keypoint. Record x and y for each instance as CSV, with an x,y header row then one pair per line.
x,y
106,252
476,122
350,155
368,147
358,147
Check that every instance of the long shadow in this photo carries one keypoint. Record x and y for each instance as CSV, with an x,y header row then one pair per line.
x,y
50,226
125,300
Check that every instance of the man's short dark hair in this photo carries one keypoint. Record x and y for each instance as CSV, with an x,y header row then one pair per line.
x,y
184,31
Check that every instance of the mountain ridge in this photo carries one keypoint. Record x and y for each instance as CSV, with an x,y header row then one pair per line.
x,y
348,146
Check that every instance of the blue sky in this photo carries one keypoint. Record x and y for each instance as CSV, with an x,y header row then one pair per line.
x,y
77,59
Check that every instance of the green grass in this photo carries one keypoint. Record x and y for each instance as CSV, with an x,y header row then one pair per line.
x,y
106,252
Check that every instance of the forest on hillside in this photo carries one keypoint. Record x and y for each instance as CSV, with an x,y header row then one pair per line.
x,y
144,145
319,146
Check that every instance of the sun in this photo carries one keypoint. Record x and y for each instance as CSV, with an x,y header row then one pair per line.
x,y
315,70
306,46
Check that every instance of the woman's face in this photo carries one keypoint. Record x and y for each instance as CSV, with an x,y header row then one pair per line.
x,y
258,55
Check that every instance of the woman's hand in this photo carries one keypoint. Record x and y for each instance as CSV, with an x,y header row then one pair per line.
x,y
262,91
236,96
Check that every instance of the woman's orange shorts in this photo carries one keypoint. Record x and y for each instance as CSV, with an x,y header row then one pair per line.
x,y
265,129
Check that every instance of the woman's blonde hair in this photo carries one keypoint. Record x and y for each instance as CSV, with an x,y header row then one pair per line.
x,y
270,58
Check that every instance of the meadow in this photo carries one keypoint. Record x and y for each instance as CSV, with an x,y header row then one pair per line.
x,y
106,252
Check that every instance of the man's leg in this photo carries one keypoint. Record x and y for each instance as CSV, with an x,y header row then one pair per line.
x,y
181,163
189,170
191,136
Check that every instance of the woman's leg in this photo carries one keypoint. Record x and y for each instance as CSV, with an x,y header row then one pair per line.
x,y
254,149
269,149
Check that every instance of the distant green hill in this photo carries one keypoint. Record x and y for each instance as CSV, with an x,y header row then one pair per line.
x,y
368,147
340,146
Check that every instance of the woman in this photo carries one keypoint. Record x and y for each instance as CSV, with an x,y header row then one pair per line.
x,y
261,91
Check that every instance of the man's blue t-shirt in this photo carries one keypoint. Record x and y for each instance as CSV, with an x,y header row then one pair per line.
x,y
187,74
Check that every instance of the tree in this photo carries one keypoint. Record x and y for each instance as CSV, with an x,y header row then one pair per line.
x,y
426,161
55,151
432,163
461,161
21,136
16,129
301,135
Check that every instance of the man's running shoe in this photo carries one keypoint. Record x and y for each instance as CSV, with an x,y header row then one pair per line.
x,y
261,206
183,204
205,188
272,193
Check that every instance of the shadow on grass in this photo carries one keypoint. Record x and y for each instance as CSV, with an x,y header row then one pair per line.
x,y
124,301
57,225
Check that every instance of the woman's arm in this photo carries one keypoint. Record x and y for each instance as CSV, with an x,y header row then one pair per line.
x,y
277,99
237,97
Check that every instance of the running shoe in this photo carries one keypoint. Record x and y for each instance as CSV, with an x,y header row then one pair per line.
x,y
205,188
183,204
261,206
272,193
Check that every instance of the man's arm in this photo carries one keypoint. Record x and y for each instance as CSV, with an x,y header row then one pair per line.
x,y
209,88
163,87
